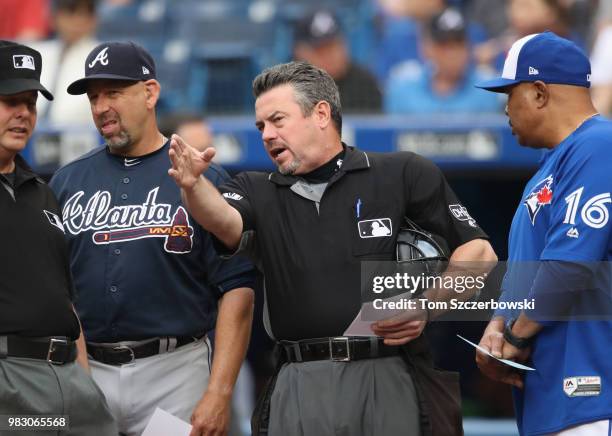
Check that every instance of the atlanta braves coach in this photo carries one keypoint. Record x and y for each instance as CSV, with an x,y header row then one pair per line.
x,y
150,282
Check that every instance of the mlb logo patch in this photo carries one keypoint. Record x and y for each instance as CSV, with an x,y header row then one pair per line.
x,y
376,228
24,62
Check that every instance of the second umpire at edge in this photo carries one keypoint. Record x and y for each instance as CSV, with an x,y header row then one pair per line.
x,y
302,224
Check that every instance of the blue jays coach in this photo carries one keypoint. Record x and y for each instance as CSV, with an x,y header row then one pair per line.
x,y
38,326
310,224
560,246
151,284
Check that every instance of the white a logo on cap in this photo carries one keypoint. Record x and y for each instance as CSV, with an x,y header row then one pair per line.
x,y
24,61
533,71
101,57
145,70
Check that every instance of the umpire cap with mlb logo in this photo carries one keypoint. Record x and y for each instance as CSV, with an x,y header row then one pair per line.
x,y
115,61
20,68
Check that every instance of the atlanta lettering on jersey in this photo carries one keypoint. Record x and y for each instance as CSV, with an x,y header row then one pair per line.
x,y
130,222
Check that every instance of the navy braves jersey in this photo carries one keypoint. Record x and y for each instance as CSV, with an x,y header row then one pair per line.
x,y
564,216
142,266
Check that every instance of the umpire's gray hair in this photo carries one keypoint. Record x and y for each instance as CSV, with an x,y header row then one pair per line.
x,y
310,84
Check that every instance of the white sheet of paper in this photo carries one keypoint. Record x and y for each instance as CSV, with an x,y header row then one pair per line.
x,y
163,423
506,361
360,327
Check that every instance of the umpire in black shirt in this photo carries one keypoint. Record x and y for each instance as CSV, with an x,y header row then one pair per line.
x,y
39,330
308,225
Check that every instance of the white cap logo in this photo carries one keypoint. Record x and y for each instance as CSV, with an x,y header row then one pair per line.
x,y
24,61
145,70
101,57
511,63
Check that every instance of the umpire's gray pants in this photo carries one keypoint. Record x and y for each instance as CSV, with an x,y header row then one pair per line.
x,y
366,397
35,387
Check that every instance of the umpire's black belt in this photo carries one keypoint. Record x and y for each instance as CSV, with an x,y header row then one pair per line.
x,y
53,349
119,354
338,349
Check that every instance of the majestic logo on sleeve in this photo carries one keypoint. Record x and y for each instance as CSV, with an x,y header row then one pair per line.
x,y
130,222
540,196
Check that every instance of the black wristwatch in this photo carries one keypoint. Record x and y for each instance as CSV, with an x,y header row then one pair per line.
x,y
520,343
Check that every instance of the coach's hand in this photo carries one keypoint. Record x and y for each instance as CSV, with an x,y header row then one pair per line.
x,y
493,341
401,328
188,163
211,416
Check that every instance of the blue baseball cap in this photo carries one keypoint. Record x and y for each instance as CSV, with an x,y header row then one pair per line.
x,y
546,57
115,60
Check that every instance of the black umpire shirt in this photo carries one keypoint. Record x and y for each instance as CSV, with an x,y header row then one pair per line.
x,y
309,245
35,283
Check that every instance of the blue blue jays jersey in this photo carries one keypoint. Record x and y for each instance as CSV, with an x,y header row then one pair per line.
x,y
142,266
564,216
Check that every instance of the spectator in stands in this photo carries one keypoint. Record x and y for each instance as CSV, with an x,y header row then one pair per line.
x,y
524,18
74,22
488,13
318,39
445,83
400,26
26,20
191,127
399,23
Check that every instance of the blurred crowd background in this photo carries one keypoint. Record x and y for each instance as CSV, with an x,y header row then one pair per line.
x,y
405,70
388,56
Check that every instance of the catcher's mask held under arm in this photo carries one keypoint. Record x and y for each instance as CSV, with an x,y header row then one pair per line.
x,y
419,252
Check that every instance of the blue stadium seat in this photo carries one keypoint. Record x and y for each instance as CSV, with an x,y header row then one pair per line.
x,y
231,49
144,22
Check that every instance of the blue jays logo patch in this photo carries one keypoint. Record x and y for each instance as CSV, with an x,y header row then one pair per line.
x,y
540,196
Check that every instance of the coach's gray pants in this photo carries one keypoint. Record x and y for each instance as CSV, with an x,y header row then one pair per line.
x,y
35,387
366,397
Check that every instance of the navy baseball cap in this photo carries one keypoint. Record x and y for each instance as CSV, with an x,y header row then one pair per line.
x,y
115,61
546,57
317,27
449,25
20,68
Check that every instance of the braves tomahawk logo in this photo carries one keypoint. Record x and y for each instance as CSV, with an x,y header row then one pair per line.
x,y
540,196
130,222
